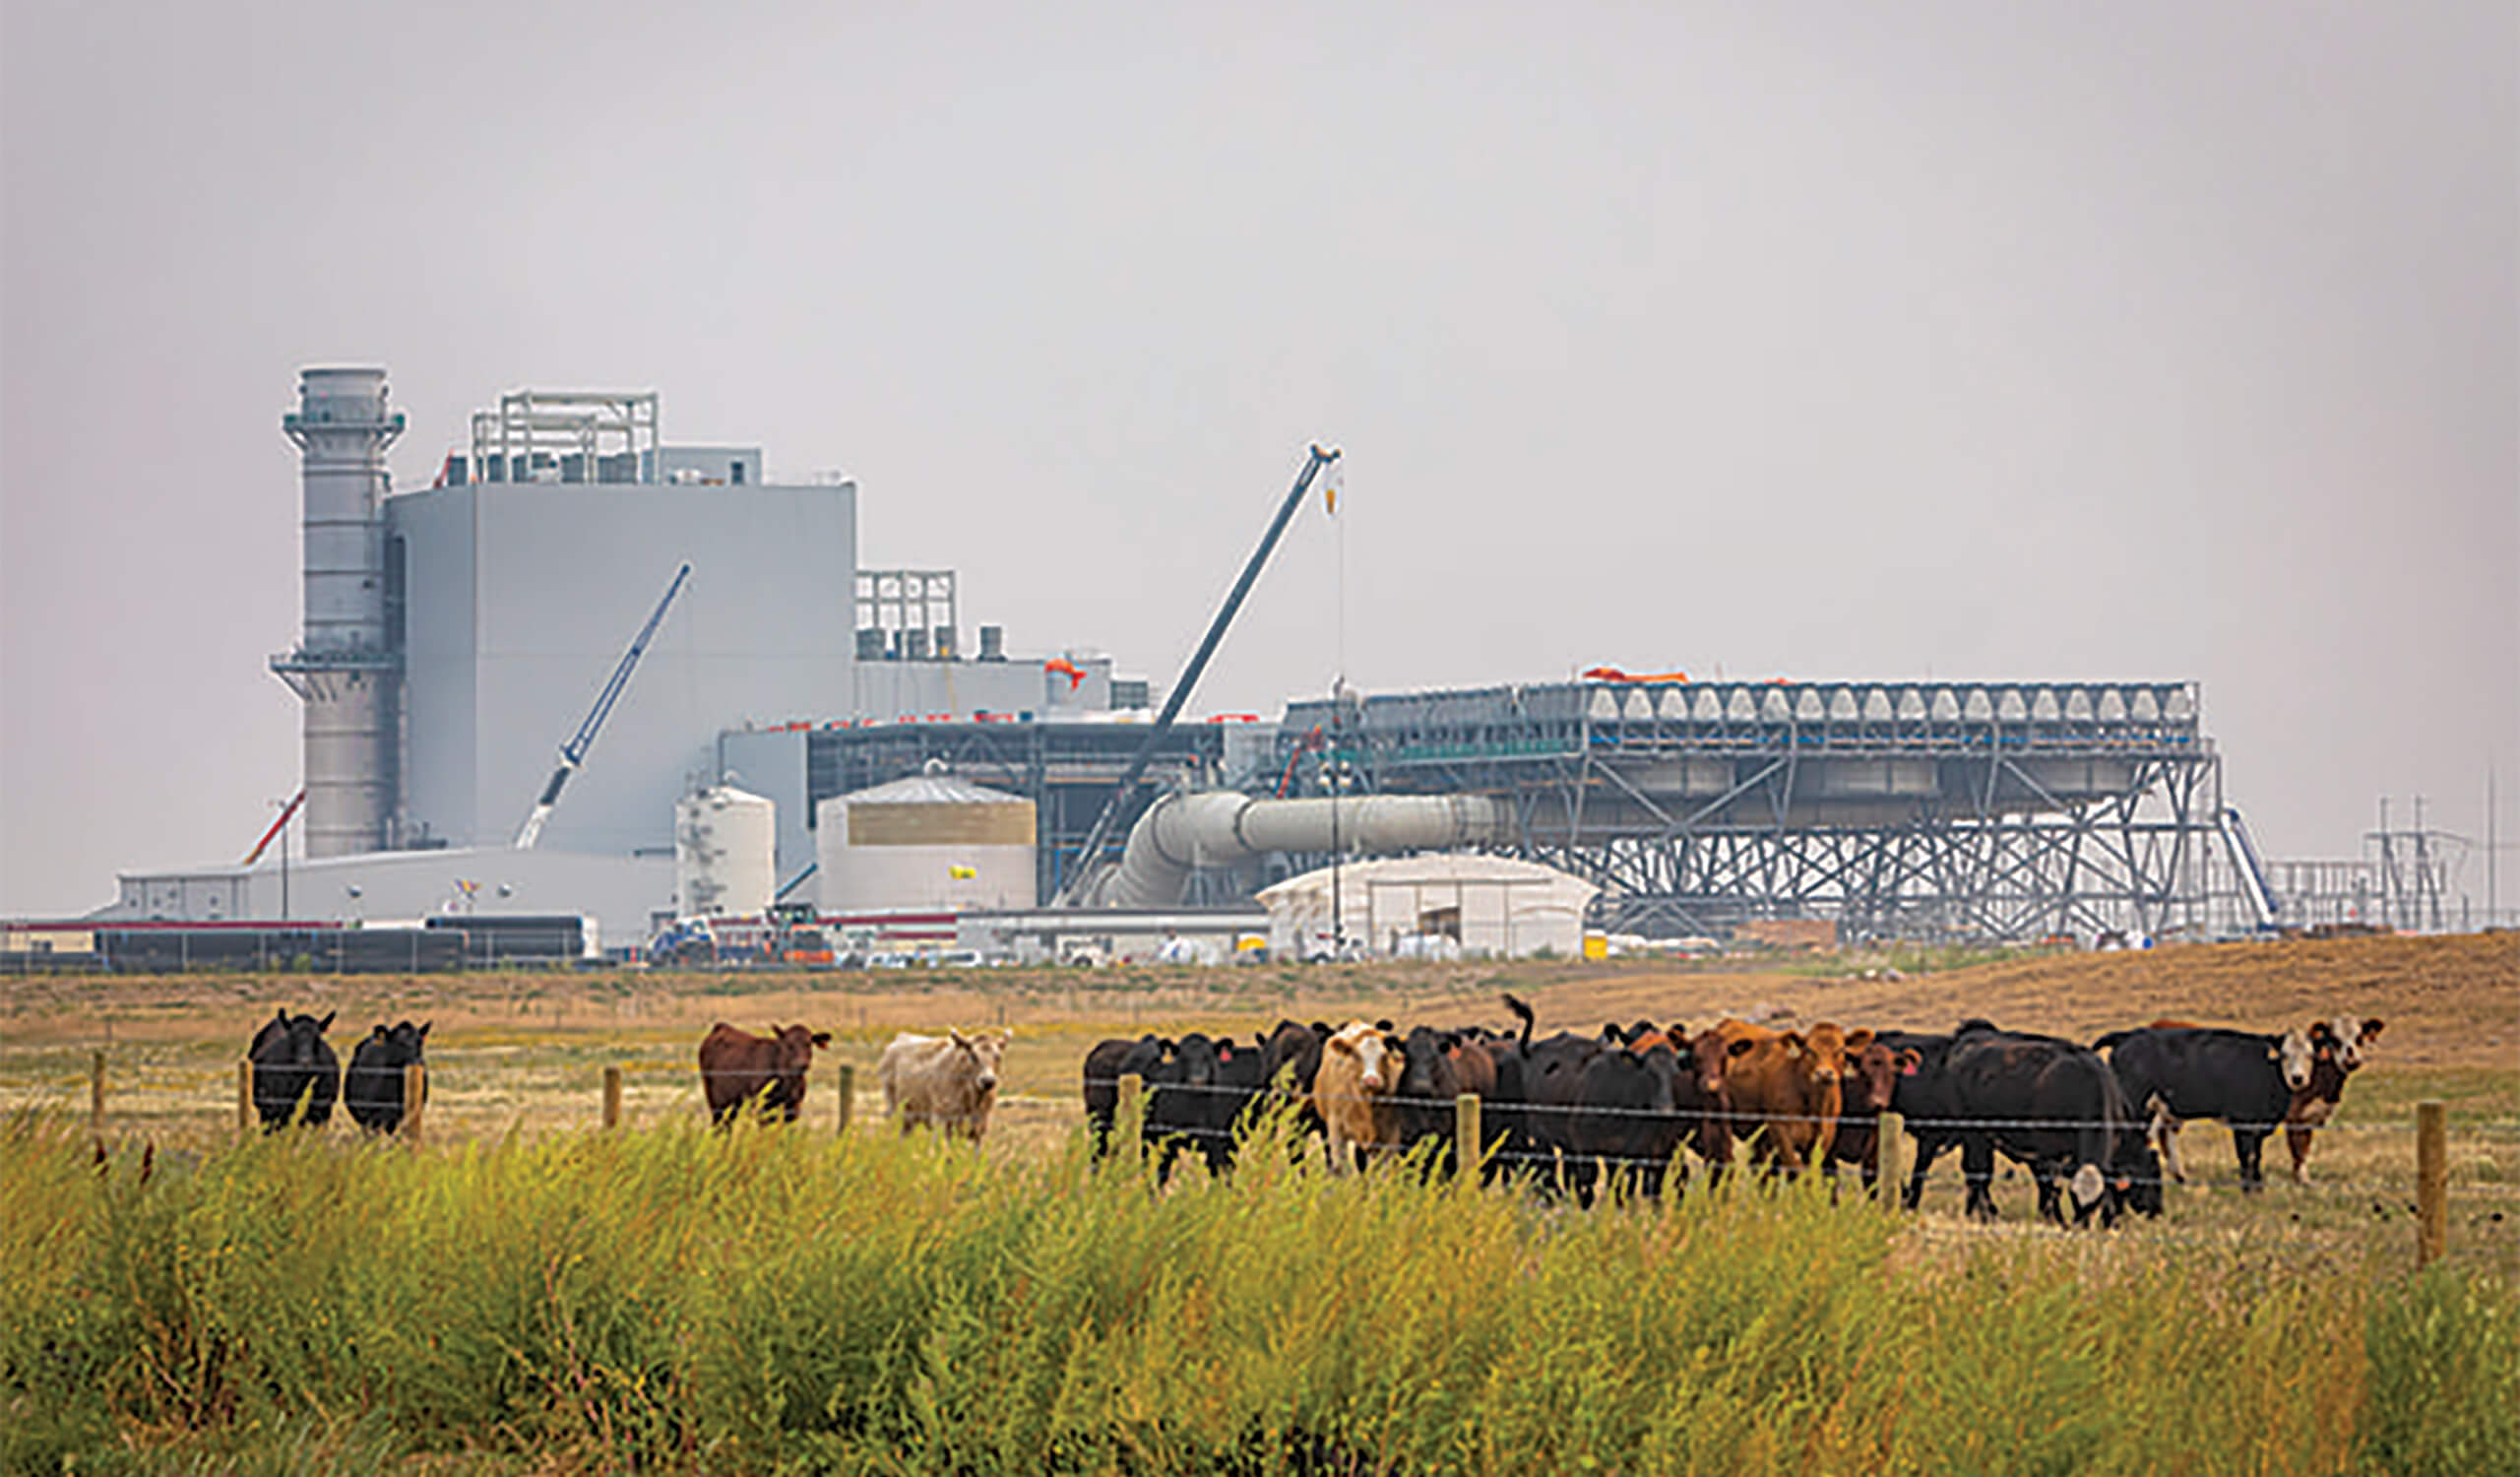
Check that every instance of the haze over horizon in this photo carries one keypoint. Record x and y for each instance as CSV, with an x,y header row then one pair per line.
x,y
1961,341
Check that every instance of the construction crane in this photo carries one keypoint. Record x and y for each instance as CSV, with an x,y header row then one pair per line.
x,y
574,752
1088,857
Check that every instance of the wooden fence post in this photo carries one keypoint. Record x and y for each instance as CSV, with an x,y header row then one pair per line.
x,y
1889,1155
245,1095
1128,1124
2431,1180
416,1097
848,1092
97,1090
612,1097
1467,1142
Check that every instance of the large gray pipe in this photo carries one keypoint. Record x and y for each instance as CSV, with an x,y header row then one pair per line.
x,y
1219,828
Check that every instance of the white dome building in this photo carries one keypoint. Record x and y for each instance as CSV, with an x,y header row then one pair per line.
x,y
1491,907
931,842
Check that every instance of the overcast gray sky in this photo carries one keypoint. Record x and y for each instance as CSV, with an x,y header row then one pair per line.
x,y
2152,341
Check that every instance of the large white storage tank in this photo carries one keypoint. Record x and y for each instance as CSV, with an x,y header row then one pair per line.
x,y
725,853
930,841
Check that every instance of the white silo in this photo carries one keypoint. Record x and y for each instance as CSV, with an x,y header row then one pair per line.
x,y
724,849
930,841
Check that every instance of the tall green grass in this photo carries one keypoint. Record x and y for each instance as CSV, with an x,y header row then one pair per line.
x,y
777,1301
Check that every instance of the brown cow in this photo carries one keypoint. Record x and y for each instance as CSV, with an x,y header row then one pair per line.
x,y
1783,1089
1865,1091
737,1066
1361,1065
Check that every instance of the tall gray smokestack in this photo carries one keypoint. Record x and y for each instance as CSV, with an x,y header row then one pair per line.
x,y
344,669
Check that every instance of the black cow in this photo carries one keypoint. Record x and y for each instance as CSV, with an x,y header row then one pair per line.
x,y
2055,1107
1422,1102
1104,1066
1923,1095
1206,1088
372,1090
1290,1057
291,1061
2245,1080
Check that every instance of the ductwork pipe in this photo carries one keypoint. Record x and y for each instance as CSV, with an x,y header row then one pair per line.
x,y
1221,828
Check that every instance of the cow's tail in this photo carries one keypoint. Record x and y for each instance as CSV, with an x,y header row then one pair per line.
x,y
1525,1013
2109,1040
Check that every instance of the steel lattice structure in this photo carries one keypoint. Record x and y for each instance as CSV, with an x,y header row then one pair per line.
x,y
1900,809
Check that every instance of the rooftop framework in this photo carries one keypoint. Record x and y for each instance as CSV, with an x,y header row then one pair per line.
x,y
567,435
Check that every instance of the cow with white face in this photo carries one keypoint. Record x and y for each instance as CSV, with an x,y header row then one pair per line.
x,y
2338,1049
2297,1056
1361,1067
2245,1079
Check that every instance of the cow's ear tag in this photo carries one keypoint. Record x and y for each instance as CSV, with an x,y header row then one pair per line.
x,y
2274,1055
1908,1070
1224,1054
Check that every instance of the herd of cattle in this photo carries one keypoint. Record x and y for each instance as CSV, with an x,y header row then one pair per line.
x,y
2084,1120
2094,1123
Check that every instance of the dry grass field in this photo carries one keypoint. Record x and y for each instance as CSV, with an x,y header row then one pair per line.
x,y
524,1052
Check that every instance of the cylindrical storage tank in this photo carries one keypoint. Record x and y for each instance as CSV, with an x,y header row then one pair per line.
x,y
726,845
930,841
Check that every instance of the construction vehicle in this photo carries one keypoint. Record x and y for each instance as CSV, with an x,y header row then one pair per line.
x,y
574,752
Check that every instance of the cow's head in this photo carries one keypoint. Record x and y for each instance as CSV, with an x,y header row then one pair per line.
x,y
2135,1173
2356,1038
300,1039
987,1054
2295,1053
1827,1042
1375,1052
1706,1055
796,1048
1871,1073
1426,1064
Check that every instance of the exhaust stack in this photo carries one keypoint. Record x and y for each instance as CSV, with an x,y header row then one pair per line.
x,y
344,669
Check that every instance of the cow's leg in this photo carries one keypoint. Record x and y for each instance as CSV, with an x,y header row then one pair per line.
x,y
1977,1168
2051,1206
2297,1137
2164,1129
1929,1146
2250,1145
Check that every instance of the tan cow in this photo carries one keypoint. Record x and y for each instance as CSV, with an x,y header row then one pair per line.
x,y
1784,1088
947,1081
1361,1065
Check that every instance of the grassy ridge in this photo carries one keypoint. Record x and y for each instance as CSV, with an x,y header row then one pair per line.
x,y
774,1300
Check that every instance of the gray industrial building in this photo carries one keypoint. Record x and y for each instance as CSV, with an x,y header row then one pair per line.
x,y
456,637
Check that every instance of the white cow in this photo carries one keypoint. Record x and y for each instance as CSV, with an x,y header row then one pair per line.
x,y
949,1081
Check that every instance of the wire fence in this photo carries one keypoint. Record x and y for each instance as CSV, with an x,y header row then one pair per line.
x,y
1207,1117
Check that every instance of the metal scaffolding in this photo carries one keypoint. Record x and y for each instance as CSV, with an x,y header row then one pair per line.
x,y
1916,810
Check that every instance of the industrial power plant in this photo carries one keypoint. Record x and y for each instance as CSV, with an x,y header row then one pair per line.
x,y
595,686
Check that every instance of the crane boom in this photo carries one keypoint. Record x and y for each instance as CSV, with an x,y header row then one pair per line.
x,y
1088,857
574,752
